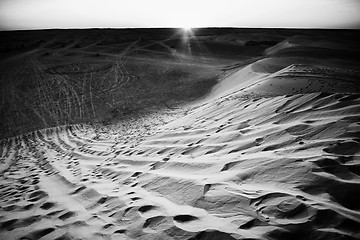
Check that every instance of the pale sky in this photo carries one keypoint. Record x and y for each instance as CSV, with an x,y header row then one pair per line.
x,y
43,14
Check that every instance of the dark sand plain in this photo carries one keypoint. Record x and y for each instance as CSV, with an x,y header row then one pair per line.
x,y
167,134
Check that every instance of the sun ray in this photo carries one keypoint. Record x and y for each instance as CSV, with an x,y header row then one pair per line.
x,y
186,29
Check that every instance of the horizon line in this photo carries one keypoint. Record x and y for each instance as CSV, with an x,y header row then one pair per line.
x,y
176,27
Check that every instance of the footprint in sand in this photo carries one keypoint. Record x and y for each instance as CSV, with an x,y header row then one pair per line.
x,y
185,218
146,208
283,209
37,234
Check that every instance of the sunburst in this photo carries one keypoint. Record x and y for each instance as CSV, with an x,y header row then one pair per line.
x,y
186,29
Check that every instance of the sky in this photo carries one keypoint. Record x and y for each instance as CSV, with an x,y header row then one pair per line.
x,y
45,14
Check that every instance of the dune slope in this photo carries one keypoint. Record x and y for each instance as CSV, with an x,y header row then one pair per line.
x,y
267,168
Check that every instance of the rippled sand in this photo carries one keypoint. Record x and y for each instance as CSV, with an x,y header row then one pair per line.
x,y
273,152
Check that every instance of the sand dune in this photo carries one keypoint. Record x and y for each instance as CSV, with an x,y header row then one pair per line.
x,y
281,167
272,152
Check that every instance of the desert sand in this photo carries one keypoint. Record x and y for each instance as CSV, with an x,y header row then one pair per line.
x,y
271,151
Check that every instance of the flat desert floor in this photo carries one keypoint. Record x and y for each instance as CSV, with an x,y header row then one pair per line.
x,y
166,134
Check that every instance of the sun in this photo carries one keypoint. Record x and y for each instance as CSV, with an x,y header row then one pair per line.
x,y
186,29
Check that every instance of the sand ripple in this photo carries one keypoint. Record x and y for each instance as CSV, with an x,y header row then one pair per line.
x,y
283,167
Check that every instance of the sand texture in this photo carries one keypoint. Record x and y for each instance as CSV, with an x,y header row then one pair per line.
x,y
272,152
